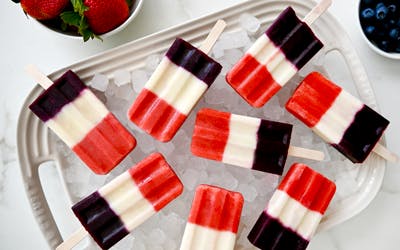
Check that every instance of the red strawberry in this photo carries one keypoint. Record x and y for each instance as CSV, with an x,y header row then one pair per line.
x,y
44,9
105,15
95,17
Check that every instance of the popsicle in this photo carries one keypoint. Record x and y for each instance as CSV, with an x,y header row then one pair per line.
x,y
276,56
294,212
245,141
74,113
339,118
183,76
213,220
110,213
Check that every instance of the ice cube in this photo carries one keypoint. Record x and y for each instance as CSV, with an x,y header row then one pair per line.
x,y
157,236
121,77
99,82
218,50
126,243
117,107
145,143
234,40
214,96
138,241
225,66
139,79
125,92
190,178
152,62
229,181
248,191
170,245
166,148
249,22
233,55
110,91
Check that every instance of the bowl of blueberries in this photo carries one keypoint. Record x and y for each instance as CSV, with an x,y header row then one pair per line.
x,y
380,23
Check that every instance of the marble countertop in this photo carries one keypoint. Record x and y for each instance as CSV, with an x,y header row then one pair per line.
x,y
23,42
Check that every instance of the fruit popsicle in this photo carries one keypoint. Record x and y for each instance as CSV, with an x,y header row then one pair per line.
x,y
338,117
213,220
245,141
183,76
74,113
110,213
293,214
276,56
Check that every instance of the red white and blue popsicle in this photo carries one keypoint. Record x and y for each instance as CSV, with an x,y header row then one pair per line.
x,y
276,56
213,220
110,213
339,118
294,212
245,141
183,76
81,120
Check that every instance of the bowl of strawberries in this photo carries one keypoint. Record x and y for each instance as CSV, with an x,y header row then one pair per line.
x,y
87,19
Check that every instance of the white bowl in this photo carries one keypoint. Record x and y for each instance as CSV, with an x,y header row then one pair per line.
x,y
135,9
375,48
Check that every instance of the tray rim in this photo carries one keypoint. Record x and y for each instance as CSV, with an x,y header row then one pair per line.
x,y
366,95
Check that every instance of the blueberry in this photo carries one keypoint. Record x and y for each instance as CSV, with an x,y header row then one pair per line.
x,y
369,30
367,13
392,8
394,34
367,1
384,45
381,11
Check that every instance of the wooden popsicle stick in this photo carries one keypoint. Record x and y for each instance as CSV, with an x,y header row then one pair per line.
x,y
38,76
213,36
386,154
306,153
317,11
73,240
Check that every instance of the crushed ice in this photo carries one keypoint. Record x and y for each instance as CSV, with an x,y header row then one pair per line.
x,y
164,230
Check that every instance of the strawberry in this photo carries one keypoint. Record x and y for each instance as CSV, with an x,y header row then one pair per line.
x,y
105,15
95,17
43,9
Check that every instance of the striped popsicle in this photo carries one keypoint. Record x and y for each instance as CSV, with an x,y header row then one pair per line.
x,y
274,58
338,117
213,220
245,141
110,213
294,211
183,76
81,120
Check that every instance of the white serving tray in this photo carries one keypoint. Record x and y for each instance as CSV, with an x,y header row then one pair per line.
x,y
36,146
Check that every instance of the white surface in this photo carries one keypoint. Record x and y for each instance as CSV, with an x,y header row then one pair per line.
x,y
374,228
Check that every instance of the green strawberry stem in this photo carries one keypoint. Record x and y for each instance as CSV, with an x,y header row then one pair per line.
x,y
76,18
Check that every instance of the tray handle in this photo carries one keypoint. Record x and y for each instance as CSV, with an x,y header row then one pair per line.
x,y
38,202
35,148
358,73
